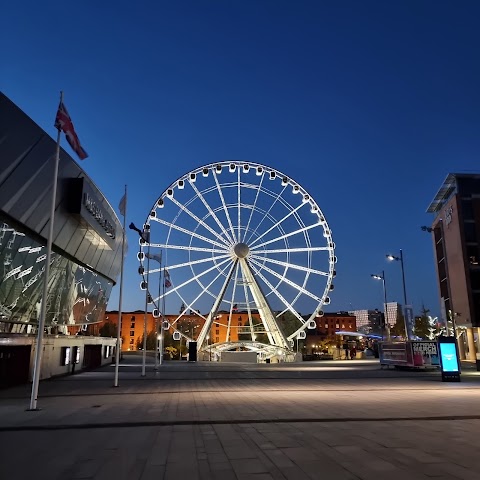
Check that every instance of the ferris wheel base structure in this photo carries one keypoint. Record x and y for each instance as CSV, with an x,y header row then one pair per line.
x,y
237,235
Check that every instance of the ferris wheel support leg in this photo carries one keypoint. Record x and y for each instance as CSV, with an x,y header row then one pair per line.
x,y
211,316
274,333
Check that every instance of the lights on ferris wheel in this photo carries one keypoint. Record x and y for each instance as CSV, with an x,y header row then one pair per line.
x,y
193,177
160,203
232,167
143,285
181,184
170,192
246,168
218,169
205,172
311,325
284,181
259,171
140,256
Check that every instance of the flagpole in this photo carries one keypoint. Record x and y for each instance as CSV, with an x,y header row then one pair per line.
x,y
144,357
119,321
43,308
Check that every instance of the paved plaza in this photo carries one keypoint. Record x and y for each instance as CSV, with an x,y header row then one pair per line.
x,y
314,420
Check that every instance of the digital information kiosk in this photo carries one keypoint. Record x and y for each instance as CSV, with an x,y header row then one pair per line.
x,y
449,362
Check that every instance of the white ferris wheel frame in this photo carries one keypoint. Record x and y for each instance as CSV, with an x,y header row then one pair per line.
x,y
228,249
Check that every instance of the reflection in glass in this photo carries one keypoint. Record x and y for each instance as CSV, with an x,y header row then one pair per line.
x,y
76,295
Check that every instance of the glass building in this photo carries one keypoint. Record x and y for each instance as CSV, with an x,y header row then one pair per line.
x,y
86,245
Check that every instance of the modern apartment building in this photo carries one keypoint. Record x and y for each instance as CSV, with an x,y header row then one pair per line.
x,y
456,236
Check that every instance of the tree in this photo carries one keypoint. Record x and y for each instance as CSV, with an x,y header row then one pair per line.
x,y
108,329
422,324
398,330
151,341
288,323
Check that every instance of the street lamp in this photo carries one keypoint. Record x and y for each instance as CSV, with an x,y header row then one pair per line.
x,y
400,259
382,278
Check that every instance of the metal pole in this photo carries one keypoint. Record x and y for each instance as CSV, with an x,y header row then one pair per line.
x,y
43,308
144,358
407,330
119,320
385,309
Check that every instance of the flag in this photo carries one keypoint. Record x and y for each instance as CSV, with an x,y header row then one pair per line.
x,y
122,206
64,122
154,256
166,277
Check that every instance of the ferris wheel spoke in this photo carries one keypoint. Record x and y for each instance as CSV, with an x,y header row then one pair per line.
x,y
220,193
290,265
267,213
249,310
296,232
283,278
196,262
280,297
292,212
239,203
233,299
254,204
186,247
187,232
211,212
193,279
199,220
189,305
291,250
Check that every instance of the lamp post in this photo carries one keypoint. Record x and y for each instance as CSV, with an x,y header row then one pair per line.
x,y
400,259
144,238
382,278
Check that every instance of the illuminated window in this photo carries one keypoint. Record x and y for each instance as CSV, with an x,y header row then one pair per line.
x,y
337,326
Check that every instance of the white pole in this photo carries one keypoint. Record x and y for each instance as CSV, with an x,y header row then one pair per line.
x,y
43,308
119,321
144,358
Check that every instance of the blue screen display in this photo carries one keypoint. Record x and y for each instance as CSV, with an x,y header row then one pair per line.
x,y
449,357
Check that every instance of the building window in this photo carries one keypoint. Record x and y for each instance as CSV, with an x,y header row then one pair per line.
x,y
132,318
132,333
217,331
343,325
337,325
217,339
132,341
132,325
326,325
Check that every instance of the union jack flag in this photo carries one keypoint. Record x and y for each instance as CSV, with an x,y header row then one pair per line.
x,y
64,123
166,277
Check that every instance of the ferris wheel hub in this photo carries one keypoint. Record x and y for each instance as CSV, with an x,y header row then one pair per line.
x,y
241,250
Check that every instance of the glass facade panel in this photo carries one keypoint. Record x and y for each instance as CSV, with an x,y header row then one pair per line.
x,y
76,295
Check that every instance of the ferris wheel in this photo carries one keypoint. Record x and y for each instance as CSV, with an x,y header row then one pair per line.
x,y
239,237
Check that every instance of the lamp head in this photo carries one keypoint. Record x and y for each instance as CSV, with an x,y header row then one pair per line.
x,y
391,257
376,277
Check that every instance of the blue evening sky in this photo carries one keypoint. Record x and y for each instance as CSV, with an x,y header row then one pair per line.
x,y
367,104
